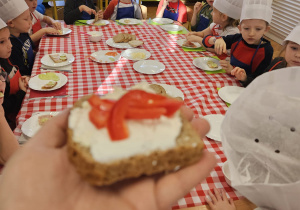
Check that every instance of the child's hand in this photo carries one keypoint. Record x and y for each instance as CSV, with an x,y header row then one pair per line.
x,y
56,25
226,66
51,30
220,201
239,73
191,33
165,4
220,46
87,9
197,7
23,83
100,14
194,38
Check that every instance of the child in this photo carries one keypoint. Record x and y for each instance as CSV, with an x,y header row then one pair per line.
x,y
36,31
249,50
225,16
118,9
291,47
17,16
172,9
80,10
202,17
16,84
8,142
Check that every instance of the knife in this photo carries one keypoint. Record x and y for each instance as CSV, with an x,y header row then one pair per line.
x,y
48,97
66,70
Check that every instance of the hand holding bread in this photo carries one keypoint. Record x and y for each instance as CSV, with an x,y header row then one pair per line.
x,y
63,188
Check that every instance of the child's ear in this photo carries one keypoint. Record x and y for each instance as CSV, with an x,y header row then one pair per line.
x,y
224,17
267,29
10,23
239,27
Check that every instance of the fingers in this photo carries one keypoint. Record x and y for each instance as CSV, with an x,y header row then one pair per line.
x,y
217,193
201,125
171,187
53,133
187,112
224,195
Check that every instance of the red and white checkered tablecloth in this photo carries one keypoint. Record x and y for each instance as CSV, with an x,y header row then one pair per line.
x,y
199,88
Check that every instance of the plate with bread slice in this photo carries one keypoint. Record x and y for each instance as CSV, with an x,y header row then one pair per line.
x,y
172,27
105,56
48,81
230,93
130,21
57,59
35,122
207,63
98,22
186,44
215,122
62,32
149,67
136,54
170,90
162,20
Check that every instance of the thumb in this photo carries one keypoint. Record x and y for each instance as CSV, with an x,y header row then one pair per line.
x,y
54,133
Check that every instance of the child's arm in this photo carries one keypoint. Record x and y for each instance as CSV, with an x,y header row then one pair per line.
x,y
239,73
109,10
202,34
219,201
8,141
163,4
197,7
38,35
51,22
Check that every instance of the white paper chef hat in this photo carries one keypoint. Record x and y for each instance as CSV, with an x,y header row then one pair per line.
x,y
2,24
294,36
257,9
10,9
261,140
231,8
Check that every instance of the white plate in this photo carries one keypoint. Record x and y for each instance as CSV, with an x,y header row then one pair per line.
x,y
31,126
226,172
65,31
130,21
173,91
181,41
172,27
202,63
101,57
230,93
98,23
129,54
36,83
215,121
149,67
163,20
46,60
111,43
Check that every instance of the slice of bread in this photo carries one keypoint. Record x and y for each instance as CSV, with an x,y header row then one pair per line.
x,y
42,119
49,85
187,151
188,44
135,43
158,89
212,64
57,58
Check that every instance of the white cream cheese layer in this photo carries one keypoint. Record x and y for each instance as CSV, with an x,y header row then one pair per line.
x,y
145,136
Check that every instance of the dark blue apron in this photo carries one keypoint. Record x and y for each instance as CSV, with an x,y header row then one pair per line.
x,y
236,62
203,22
171,15
29,56
125,12
85,15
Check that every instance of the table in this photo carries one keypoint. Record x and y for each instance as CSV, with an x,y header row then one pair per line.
x,y
199,88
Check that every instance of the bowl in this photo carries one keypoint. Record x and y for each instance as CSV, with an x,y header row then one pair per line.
x,y
226,172
95,36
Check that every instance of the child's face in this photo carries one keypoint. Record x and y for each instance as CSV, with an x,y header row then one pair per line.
x,y
5,44
292,54
216,15
32,4
22,23
210,2
2,88
252,30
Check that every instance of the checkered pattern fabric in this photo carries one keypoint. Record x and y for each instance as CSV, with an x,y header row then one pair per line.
x,y
199,88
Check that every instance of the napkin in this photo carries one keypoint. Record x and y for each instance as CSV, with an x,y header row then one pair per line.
x,y
45,68
150,22
227,104
184,31
215,72
59,92
199,49
80,23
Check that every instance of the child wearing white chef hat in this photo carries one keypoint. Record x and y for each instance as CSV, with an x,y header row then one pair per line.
x,y
249,50
291,49
226,15
16,85
260,136
17,16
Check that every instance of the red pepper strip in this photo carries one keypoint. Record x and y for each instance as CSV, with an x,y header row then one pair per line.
x,y
101,104
98,117
145,113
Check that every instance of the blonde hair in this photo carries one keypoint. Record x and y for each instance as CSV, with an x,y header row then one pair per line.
x,y
232,22
3,28
283,47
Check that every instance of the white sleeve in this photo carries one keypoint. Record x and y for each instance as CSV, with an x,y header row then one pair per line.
x,y
230,31
38,15
137,11
212,25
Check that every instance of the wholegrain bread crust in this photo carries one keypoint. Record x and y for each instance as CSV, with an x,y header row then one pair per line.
x,y
188,151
